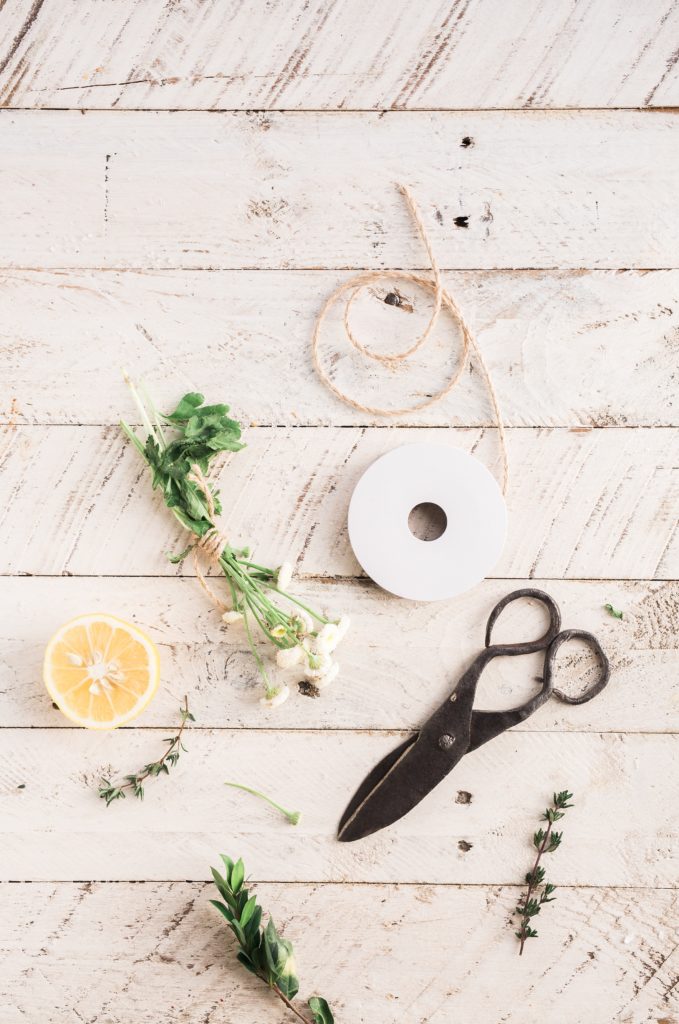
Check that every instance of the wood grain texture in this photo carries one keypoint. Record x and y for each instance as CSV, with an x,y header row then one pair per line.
x,y
56,828
273,191
156,951
592,504
399,661
564,348
337,55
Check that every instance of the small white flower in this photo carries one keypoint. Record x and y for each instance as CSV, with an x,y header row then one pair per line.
x,y
232,617
284,576
319,665
326,679
279,631
328,638
302,623
278,696
74,659
288,657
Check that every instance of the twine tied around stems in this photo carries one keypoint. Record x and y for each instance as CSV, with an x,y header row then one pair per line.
x,y
211,545
351,289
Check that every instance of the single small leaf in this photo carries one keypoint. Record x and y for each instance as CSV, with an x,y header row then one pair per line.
x,y
248,910
186,408
321,1011
613,611
224,910
237,875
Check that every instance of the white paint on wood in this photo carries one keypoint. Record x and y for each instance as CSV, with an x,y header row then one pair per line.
x,y
295,55
399,661
158,951
316,190
56,828
592,504
563,349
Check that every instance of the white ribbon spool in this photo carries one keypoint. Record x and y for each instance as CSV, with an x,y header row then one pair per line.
x,y
474,534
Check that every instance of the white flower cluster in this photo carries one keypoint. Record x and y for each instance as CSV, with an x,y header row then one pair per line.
x,y
307,643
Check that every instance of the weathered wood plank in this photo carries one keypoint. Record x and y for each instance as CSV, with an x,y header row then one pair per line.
x,y
593,504
316,190
398,662
564,349
337,55
622,832
158,951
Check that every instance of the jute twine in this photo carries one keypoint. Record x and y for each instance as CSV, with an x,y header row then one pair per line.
x,y
351,289
211,545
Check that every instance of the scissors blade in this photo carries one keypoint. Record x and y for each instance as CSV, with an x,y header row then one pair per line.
x,y
394,787
407,774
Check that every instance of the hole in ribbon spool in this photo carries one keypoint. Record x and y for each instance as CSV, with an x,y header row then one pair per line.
x,y
427,521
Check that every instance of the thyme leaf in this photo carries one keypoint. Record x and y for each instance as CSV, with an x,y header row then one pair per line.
x,y
134,783
544,841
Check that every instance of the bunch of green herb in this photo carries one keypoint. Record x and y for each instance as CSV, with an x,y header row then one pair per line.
x,y
135,783
264,952
179,448
540,892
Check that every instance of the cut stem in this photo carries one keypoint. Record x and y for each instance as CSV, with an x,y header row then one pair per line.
x,y
292,816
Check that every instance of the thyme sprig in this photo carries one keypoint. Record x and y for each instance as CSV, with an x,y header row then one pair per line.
x,y
292,816
263,951
135,783
544,841
178,448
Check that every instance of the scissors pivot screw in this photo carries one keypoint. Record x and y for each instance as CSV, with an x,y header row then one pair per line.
x,y
446,741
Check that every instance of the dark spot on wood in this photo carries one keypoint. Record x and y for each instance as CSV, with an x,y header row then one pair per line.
x,y
464,846
591,954
392,299
307,689
22,785
467,141
463,797
461,222
439,216
55,706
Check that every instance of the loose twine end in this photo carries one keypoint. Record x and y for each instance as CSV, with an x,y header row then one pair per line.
x,y
349,292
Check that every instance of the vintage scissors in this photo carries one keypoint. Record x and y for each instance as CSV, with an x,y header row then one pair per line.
x,y
409,773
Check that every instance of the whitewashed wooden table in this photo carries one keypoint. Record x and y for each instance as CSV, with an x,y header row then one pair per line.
x,y
180,187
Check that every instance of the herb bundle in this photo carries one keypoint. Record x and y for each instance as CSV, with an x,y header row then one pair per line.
x,y
264,952
544,841
178,449
135,783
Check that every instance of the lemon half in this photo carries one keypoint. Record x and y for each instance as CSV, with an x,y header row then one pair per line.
x,y
101,671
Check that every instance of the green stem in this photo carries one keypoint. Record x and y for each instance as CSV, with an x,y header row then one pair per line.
x,y
260,663
300,604
292,816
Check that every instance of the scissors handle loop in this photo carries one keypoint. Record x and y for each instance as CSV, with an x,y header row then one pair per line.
x,y
593,643
530,646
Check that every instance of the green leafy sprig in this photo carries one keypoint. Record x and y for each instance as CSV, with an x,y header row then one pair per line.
x,y
179,448
544,841
135,783
613,611
292,816
263,951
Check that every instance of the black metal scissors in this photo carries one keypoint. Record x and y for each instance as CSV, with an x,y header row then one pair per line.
x,y
409,773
